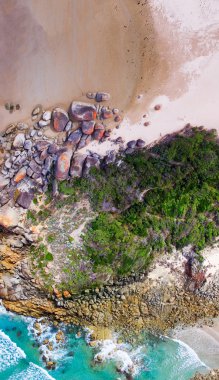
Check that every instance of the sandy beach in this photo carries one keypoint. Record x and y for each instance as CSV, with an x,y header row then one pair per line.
x,y
142,52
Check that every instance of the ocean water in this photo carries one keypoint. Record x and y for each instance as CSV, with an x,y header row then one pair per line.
x,y
22,349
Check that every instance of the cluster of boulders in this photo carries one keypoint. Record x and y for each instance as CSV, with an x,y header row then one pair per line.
x,y
30,159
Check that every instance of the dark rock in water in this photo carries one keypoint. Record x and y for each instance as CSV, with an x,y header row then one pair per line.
x,y
85,140
19,333
41,145
82,111
75,137
71,353
60,119
106,114
25,198
131,144
98,134
119,140
140,143
63,164
102,96
88,127
77,165
90,162
52,149
107,133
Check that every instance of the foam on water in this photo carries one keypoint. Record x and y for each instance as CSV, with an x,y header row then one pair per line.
x,y
126,359
10,352
188,355
33,372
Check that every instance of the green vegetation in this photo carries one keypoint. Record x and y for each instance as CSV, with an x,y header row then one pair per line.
x,y
180,206
163,197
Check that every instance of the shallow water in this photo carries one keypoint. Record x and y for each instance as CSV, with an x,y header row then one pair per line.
x,y
155,359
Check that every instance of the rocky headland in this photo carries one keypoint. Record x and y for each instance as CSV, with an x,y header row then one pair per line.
x,y
51,190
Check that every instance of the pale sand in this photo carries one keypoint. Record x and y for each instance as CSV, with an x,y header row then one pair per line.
x,y
53,52
165,51
204,341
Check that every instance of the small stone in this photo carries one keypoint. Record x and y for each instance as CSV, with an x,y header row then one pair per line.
x,y
85,140
106,114
60,119
140,143
28,144
37,110
115,111
147,123
19,141
75,137
3,182
21,174
98,134
88,127
131,144
91,95
25,198
102,96
42,145
43,123
157,107
22,126
68,126
77,165
52,149
47,115
118,118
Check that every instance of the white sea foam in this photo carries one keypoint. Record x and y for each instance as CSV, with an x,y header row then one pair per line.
x,y
189,355
126,359
33,372
10,353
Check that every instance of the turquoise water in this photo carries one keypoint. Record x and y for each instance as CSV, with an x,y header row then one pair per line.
x,y
21,352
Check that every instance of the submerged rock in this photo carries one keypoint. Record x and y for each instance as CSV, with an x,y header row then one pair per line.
x,y
82,111
60,119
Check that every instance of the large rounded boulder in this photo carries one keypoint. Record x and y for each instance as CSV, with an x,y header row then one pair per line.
x,y
60,119
82,111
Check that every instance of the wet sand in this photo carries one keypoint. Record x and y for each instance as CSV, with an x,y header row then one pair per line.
x,y
204,341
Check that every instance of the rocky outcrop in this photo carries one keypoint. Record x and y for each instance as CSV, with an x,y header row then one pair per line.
x,y
213,375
